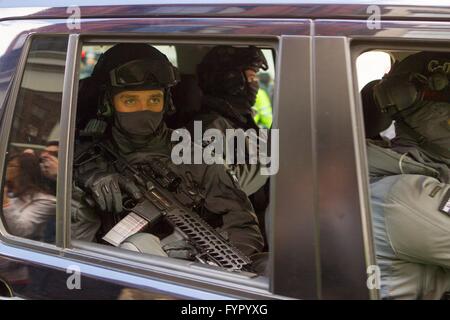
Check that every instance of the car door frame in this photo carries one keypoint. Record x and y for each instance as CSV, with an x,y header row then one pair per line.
x,y
291,33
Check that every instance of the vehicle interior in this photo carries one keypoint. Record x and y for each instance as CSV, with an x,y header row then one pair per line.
x,y
186,96
378,125
45,96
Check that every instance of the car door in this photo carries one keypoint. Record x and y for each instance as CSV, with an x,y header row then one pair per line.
x,y
51,270
339,108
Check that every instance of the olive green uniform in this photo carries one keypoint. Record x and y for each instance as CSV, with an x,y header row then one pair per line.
x,y
411,232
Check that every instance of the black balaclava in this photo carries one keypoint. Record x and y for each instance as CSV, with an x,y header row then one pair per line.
x,y
138,126
136,129
222,74
252,91
239,92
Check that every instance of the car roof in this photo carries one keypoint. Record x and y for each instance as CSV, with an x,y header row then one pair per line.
x,y
314,9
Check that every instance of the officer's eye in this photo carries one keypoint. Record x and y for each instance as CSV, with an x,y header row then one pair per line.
x,y
154,100
129,101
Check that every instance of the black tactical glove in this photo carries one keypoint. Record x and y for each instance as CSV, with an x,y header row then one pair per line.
x,y
106,189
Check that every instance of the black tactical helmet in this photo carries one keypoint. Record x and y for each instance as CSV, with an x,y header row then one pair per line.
x,y
129,65
419,76
416,93
133,66
221,70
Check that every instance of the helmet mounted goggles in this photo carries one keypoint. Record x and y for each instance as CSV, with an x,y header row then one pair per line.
x,y
141,72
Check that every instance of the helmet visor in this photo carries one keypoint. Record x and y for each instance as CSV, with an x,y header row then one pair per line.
x,y
139,72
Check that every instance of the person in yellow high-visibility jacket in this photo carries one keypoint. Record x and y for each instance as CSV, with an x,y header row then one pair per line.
x,y
263,109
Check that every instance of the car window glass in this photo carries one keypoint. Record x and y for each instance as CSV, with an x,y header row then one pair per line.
x,y
130,193
29,188
408,166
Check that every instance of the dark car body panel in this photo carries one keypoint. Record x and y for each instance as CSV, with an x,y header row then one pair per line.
x,y
320,252
390,10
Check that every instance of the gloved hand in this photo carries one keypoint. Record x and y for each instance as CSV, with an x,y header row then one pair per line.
x,y
180,249
106,189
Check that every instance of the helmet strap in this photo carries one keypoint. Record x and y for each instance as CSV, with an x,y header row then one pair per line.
x,y
106,104
169,107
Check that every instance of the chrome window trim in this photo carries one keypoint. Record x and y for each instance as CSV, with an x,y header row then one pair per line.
x,y
67,134
5,130
171,270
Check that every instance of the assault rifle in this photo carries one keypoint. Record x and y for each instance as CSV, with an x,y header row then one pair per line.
x,y
158,184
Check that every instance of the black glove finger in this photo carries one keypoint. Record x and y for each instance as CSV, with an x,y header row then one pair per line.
x,y
130,187
181,254
116,197
97,194
107,194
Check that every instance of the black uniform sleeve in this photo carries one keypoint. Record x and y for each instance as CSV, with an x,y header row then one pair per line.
x,y
224,197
